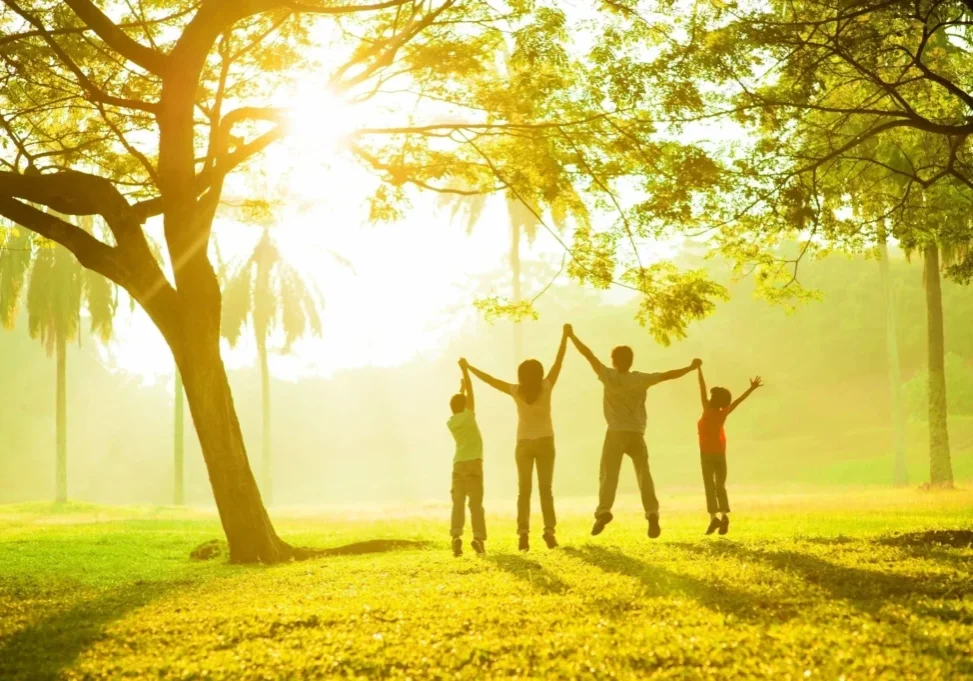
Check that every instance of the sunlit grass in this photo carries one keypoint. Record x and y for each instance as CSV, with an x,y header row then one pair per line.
x,y
805,586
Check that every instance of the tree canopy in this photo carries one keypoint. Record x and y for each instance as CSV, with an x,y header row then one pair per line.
x,y
846,119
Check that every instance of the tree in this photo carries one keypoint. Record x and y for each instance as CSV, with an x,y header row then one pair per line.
x,y
143,112
901,475
58,288
522,222
268,293
835,104
179,442
940,465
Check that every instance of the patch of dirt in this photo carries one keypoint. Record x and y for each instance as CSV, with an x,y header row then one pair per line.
x,y
214,548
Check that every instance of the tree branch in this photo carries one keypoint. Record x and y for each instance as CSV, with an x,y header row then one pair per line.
x,y
149,59
86,84
89,251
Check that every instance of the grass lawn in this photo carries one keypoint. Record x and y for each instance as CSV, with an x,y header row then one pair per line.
x,y
817,585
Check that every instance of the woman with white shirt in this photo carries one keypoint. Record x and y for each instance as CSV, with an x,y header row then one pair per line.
x,y
535,437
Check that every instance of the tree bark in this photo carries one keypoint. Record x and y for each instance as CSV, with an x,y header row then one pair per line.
x,y
61,423
901,474
940,466
249,532
266,477
515,238
179,440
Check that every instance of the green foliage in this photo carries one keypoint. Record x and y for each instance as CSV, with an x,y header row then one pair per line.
x,y
58,289
672,299
959,389
812,586
833,124
14,263
497,307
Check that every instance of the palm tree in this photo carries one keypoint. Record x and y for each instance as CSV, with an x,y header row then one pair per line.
x,y
522,221
892,354
58,287
269,294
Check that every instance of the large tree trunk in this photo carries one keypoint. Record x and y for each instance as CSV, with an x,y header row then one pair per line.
x,y
901,476
61,424
515,238
940,466
178,445
249,532
266,478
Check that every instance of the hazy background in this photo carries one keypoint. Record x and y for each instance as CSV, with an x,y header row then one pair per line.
x,y
379,434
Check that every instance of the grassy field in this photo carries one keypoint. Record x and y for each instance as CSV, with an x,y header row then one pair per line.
x,y
822,586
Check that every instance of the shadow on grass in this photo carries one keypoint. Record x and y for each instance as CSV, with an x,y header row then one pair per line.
x,y
863,589
371,546
660,582
957,539
42,650
216,548
530,571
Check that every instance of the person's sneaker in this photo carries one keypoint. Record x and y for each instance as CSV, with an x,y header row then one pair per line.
x,y
600,523
551,541
457,547
714,525
654,529
524,544
478,546
725,524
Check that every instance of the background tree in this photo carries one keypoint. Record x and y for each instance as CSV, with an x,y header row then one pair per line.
x,y
268,293
901,474
829,104
58,289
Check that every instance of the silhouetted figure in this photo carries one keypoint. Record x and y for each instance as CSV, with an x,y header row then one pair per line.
x,y
624,405
535,439
712,448
467,468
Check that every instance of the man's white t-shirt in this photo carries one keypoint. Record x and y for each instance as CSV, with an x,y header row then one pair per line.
x,y
624,400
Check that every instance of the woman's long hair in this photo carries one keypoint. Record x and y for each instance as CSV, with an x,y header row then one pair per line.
x,y
530,375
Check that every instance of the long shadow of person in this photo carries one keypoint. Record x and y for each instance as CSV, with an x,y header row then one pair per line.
x,y
42,650
659,582
870,592
530,571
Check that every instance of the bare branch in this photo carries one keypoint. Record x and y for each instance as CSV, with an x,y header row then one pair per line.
x,y
149,59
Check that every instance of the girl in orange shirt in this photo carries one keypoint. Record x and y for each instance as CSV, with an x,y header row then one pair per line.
x,y
712,448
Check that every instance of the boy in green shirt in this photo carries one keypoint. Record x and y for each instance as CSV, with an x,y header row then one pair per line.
x,y
467,467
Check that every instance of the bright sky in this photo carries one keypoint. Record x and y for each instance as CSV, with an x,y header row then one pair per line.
x,y
411,285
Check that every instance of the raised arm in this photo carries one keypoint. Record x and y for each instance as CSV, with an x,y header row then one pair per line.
x,y
586,353
467,385
559,359
679,373
488,379
754,384
702,387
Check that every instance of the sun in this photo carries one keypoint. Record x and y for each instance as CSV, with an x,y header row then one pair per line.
x,y
318,119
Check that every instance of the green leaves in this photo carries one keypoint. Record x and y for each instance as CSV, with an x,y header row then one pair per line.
x,y
671,299
498,307
58,289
